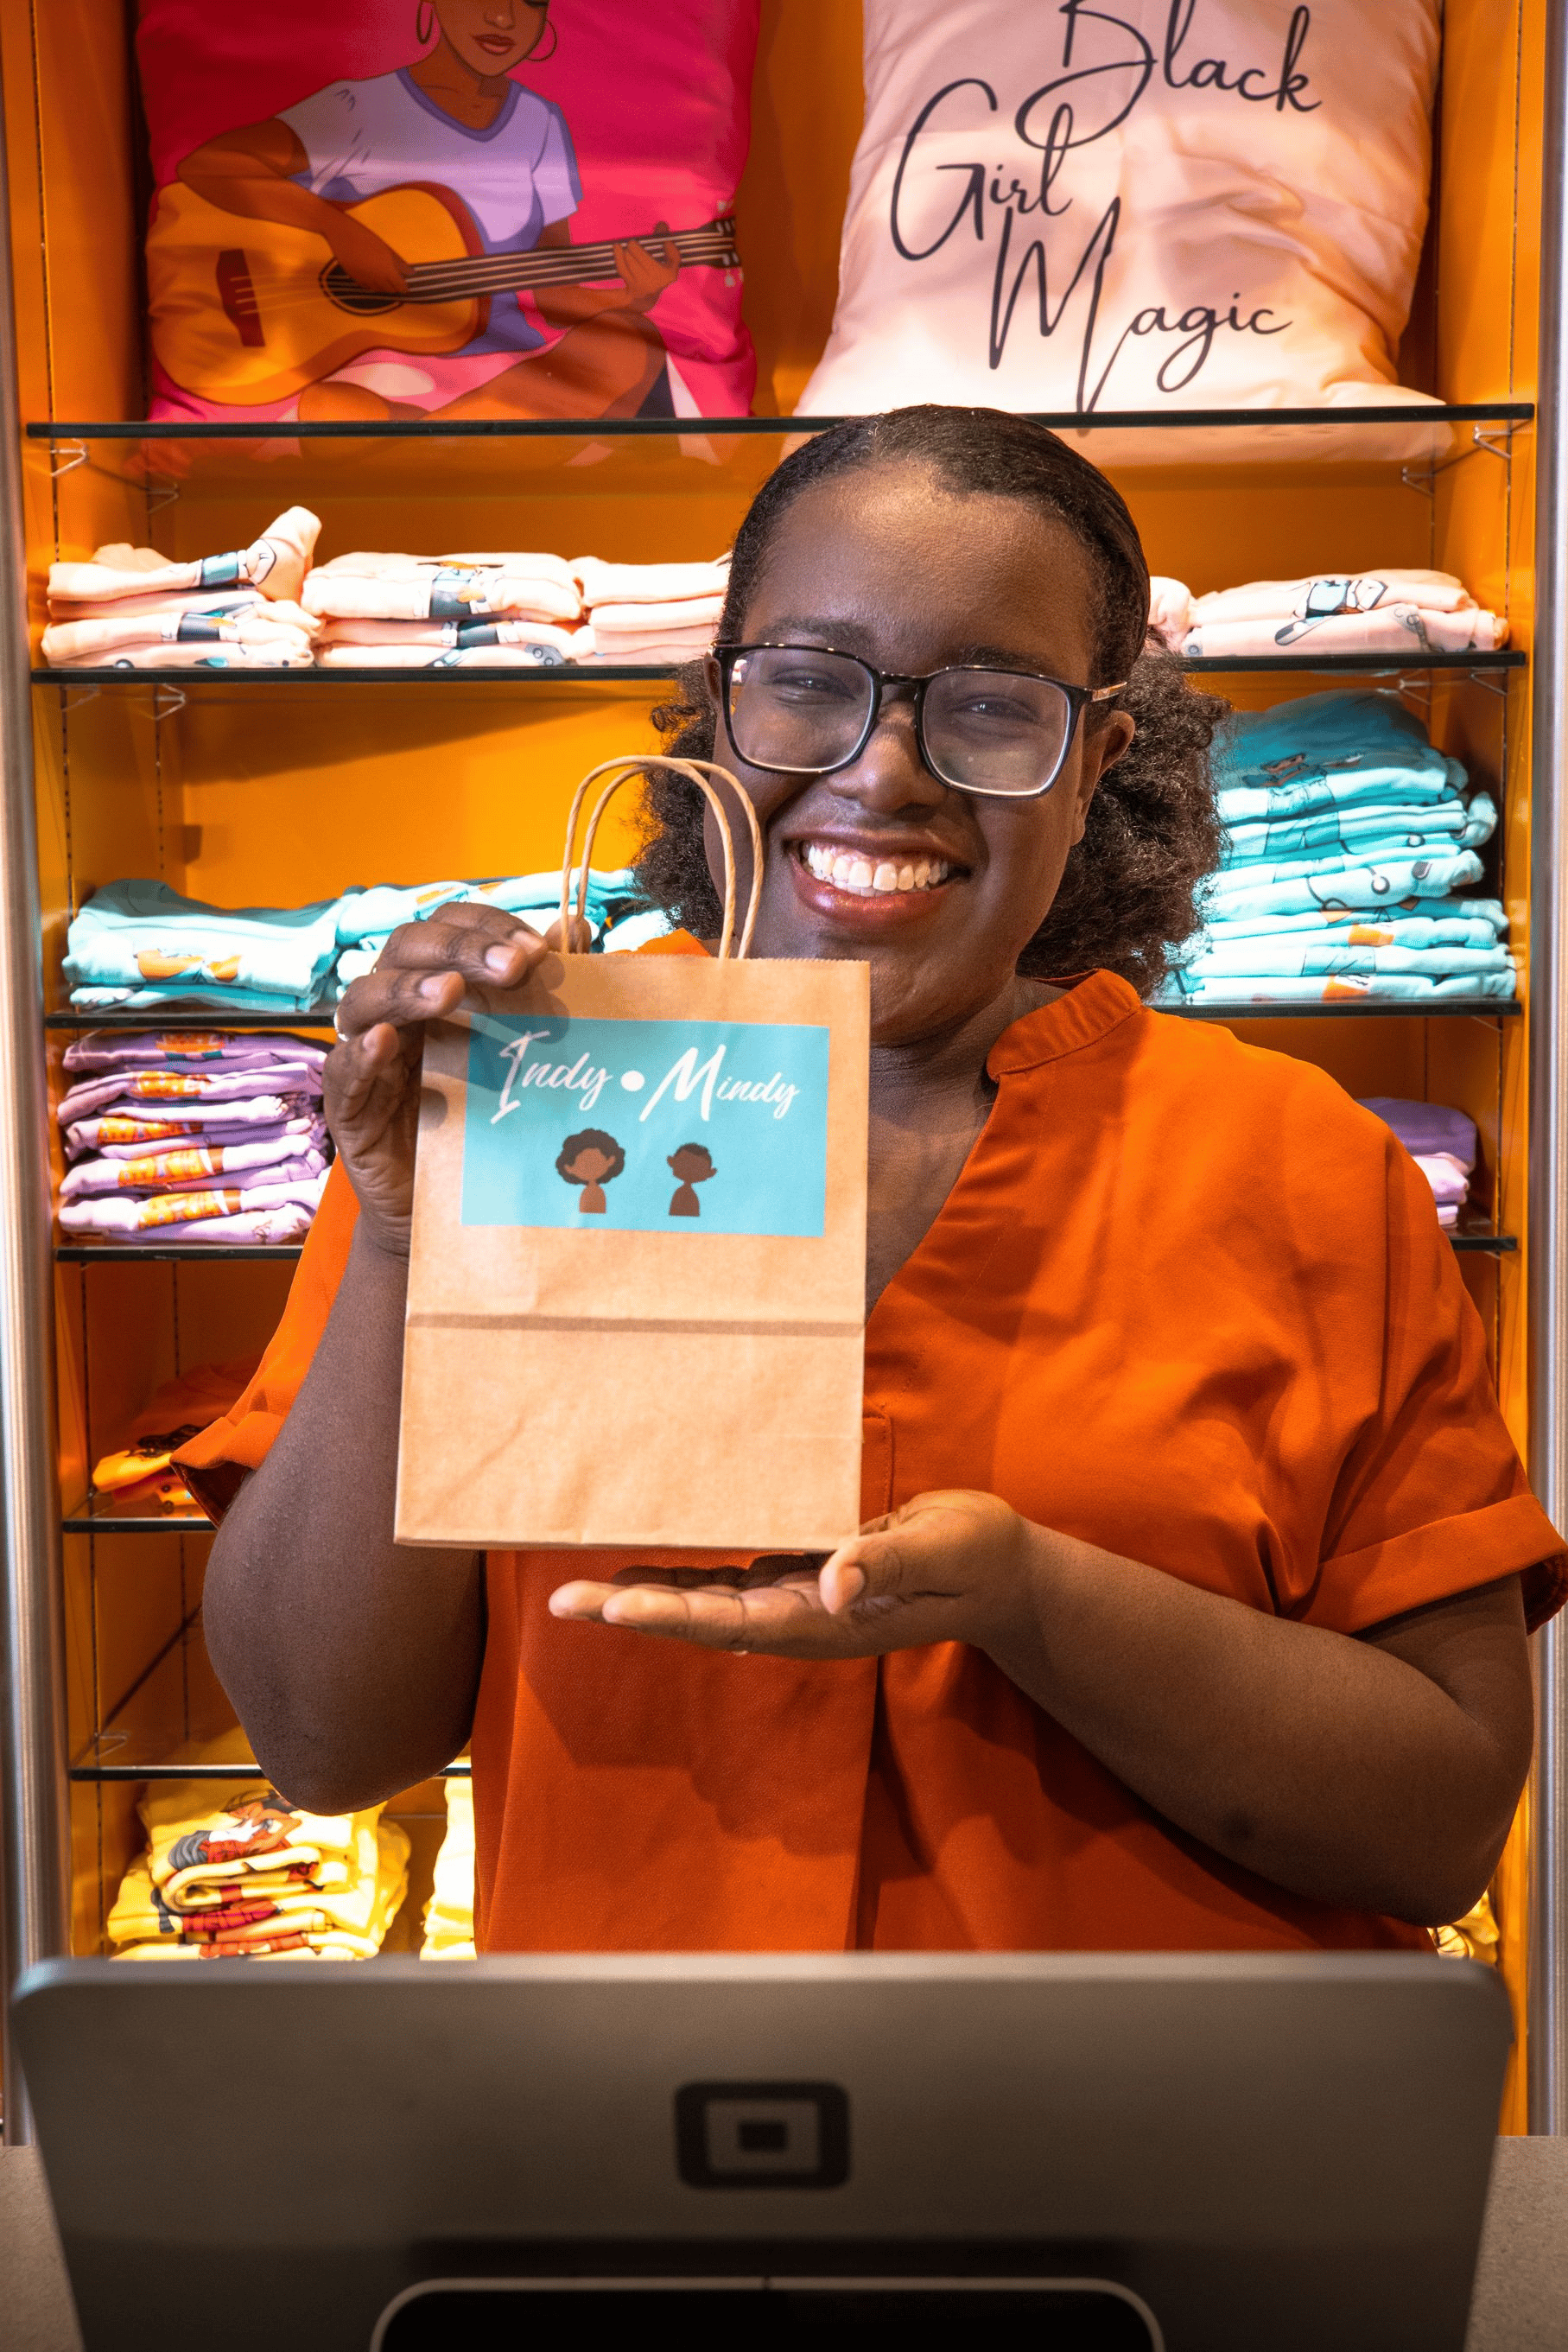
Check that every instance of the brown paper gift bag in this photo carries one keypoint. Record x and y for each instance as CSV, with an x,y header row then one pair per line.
x,y
636,1294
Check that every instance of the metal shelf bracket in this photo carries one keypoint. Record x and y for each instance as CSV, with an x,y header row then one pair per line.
x,y
1496,440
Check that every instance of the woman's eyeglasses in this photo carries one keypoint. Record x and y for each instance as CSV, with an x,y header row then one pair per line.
x,y
802,711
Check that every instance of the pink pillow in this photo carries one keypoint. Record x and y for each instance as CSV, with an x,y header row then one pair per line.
x,y
476,139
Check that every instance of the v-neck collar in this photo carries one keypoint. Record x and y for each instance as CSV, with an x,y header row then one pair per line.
x,y
1087,1010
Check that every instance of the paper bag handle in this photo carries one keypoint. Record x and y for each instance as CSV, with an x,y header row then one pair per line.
x,y
698,772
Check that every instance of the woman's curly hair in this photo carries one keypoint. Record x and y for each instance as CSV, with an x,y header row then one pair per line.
x,y
1128,896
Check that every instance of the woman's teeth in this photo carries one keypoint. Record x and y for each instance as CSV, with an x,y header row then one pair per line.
x,y
848,871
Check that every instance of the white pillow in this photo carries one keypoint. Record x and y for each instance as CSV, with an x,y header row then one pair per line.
x,y
1233,197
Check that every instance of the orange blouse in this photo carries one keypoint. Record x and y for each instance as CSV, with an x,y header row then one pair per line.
x,y
1186,1301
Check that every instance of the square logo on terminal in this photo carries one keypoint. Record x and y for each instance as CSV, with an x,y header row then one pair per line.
x,y
762,2134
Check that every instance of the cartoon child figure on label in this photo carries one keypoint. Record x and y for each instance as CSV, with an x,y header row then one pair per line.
x,y
692,1165
261,1823
591,1159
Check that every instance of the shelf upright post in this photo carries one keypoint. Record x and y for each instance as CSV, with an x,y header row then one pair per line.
x,y
34,1854
1547,1298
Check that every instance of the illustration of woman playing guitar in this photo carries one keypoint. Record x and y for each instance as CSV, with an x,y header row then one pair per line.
x,y
441,192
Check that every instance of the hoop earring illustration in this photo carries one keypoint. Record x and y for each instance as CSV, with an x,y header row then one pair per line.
x,y
543,57
425,21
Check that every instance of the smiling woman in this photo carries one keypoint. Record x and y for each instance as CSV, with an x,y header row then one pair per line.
x,y
1189,1607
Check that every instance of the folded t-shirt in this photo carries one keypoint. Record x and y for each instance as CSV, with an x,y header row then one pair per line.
x,y
285,1159
288,626
1439,824
442,637
1258,889
649,584
532,650
1292,954
223,1091
121,1124
372,586
138,934
1319,593
275,564
1263,988
1407,630
1424,1127
202,1049
132,1216
1463,922
297,1134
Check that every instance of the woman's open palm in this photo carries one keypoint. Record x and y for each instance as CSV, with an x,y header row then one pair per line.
x,y
949,1566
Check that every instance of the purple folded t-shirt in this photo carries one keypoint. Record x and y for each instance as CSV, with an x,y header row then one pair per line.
x,y
139,1217
89,1136
135,1089
177,1049
138,1126
1425,1127
190,1172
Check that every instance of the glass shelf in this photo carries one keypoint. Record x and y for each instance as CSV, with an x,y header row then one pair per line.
x,y
1485,1008
1449,1008
572,676
576,678
1345,665
192,1017
181,1253
667,428
174,1769
620,456
99,1520
1493,1244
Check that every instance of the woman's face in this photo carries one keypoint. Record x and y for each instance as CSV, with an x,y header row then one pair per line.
x,y
590,1167
491,36
888,564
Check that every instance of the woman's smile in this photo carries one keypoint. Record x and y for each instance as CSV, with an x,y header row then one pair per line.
x,y
856,878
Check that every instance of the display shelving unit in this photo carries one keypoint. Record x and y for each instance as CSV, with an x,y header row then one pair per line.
x,y
248,789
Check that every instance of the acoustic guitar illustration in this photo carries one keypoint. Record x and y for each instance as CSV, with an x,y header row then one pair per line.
x,y
247,311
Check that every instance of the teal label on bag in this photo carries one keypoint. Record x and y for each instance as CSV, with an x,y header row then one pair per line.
x,y
646,1127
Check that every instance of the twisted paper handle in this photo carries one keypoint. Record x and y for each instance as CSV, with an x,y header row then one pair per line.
x,y
699,771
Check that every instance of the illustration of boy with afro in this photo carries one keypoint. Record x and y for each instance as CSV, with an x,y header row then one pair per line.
x,y
592,1159
692,1165
261,1821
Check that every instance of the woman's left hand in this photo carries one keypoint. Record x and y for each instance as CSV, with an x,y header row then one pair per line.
x,y
950,1567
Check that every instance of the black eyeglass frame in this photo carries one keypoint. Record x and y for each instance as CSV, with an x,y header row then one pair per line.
x,y
1078,699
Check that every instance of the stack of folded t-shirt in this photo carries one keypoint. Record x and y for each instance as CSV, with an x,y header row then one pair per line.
x,y
139,945
133,608
1403,614
253,1877
1442,1143
449,1914
652,613
446,612
193,1136
367,919
1348,843
139,1478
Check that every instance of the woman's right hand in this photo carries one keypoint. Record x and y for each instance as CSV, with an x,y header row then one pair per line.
x,y
468,954
368,260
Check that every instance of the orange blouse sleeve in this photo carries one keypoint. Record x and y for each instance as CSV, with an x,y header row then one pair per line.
x,y
1432,1498
213,1464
